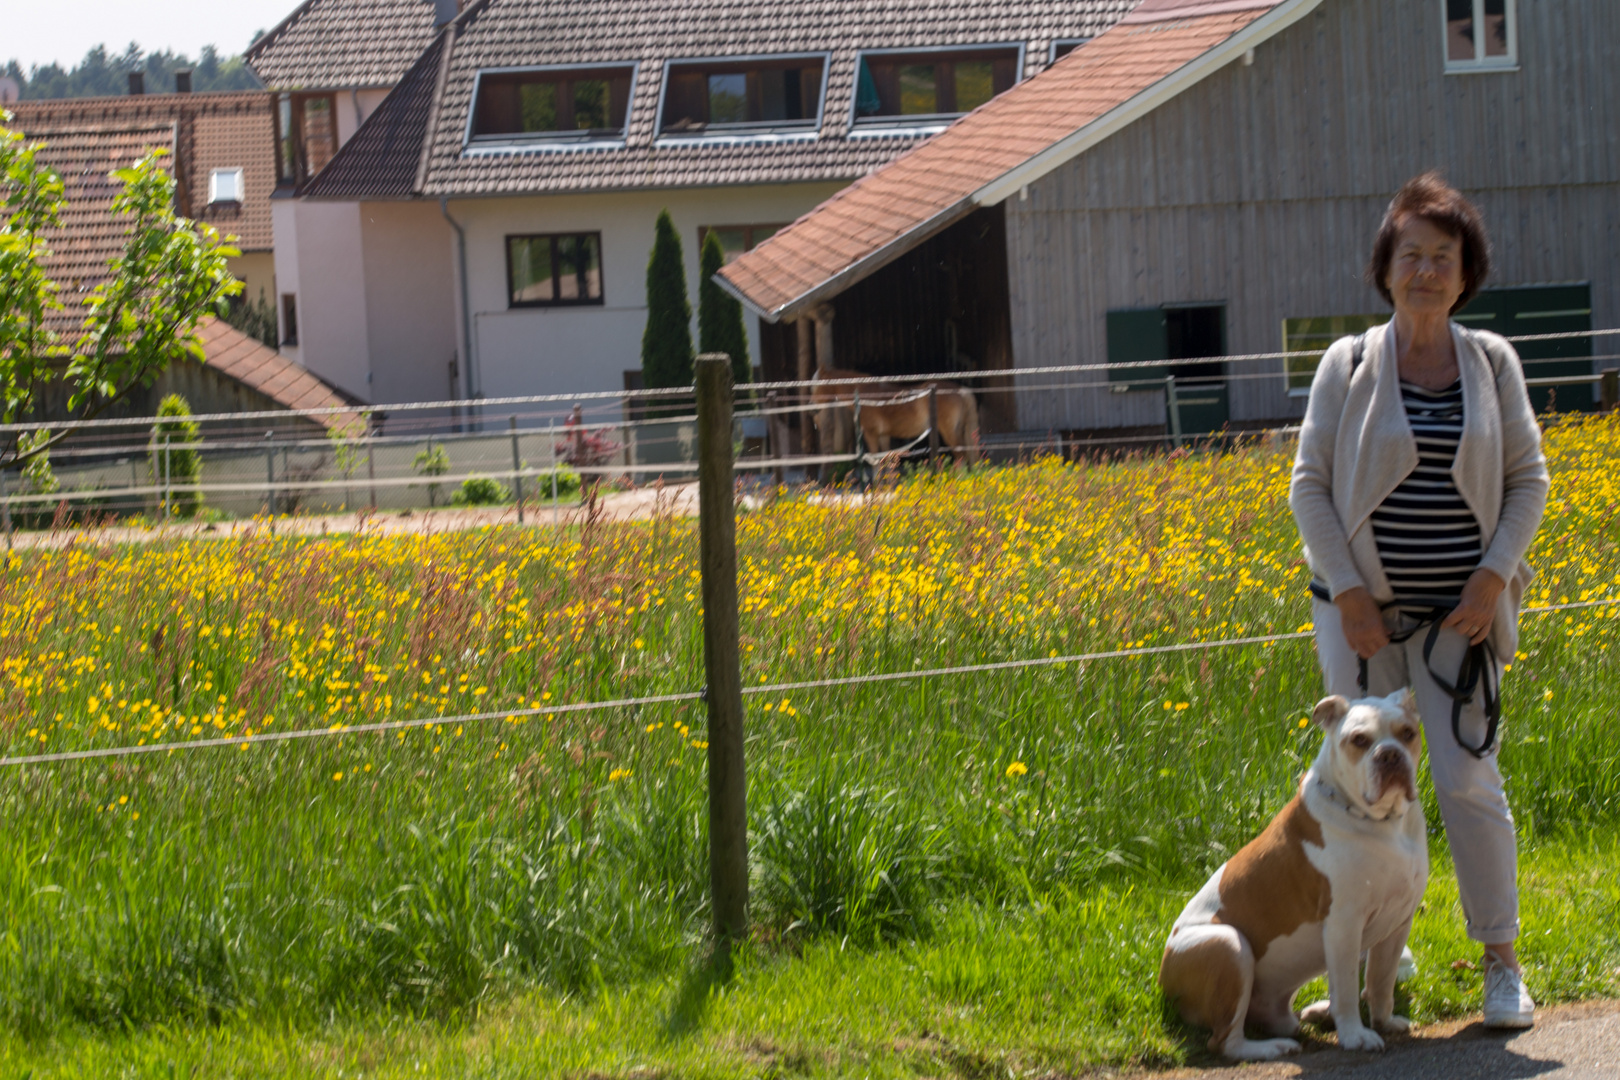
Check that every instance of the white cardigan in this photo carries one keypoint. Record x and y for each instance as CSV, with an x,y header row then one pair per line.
x,y
1355,447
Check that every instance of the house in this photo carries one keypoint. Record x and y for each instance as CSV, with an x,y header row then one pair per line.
x,y
485,231
1205,178
221,146
216,144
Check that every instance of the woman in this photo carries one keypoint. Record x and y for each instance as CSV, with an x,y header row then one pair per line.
x,y
1418,487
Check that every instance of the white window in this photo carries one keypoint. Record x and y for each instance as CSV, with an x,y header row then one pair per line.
x,y
225,186
1481,35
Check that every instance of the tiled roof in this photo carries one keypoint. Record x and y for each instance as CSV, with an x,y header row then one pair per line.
x,y
509,33
258,367
89,237
886,213
384,158
210,131
333,44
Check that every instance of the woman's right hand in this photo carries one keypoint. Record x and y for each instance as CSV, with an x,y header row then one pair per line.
x,y
1362,620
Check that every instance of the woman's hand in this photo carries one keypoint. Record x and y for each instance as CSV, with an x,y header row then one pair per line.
x,y
1476,609
1362,620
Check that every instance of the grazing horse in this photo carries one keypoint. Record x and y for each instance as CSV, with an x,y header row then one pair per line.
x,y
889,412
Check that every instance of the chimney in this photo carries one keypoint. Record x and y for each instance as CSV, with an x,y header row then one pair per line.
x,y
137,83
444,11
182,81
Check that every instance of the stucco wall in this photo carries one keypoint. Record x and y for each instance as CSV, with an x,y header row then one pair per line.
x,y
409,301
320,259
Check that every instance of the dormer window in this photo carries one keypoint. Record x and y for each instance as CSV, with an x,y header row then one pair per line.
x,y
933,83
568,103
737,96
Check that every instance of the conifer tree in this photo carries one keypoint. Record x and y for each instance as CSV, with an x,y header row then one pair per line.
x,y
666,344
720,315
175,461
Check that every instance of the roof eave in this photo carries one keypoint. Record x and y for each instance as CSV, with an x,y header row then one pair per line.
x,y
1133,109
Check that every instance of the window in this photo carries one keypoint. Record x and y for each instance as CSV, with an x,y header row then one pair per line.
x,y
225,186
1481,35
1315,335
932,84
555,270
768,93
289,318
1064,46
736,239
306,136
568,103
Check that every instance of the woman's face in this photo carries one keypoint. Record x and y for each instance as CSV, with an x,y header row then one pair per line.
x,y
1425,272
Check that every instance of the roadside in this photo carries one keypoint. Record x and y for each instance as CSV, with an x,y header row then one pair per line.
x,y
1569,1042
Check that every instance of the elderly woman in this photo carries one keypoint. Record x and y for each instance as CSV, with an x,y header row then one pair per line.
x,y
1418,487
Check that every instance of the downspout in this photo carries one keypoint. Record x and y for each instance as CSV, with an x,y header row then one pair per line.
x,y
468,381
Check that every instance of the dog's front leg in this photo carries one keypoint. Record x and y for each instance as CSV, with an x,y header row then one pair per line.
x,y
1341,940
1383,960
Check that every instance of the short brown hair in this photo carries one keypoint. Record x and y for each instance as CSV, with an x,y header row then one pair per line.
x,y
1429,197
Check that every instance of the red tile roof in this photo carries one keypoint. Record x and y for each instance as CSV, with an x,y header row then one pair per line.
x,y
1035,125
260,368
334,44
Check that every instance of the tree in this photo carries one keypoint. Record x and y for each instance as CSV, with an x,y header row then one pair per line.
x,y
140,319
100,74
720,315
666,344
175,461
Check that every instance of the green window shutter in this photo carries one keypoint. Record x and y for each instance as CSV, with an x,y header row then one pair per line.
x,y
1136,335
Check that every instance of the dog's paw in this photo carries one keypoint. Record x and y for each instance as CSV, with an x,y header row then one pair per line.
x,y
1261,1049
1393,1025
1359,1038
1317,1012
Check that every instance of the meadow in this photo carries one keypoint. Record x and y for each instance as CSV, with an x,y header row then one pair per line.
x,y
951,876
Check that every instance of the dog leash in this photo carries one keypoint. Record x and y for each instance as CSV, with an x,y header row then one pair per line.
x,y
1477,671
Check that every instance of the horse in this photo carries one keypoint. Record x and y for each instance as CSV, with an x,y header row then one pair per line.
x,y
890,411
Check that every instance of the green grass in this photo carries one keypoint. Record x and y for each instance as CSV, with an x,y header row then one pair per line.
x,y
951,876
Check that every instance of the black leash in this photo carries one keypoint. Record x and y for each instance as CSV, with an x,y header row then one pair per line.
x,y
1476,672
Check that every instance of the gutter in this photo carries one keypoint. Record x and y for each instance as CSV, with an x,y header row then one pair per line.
x,y
468,364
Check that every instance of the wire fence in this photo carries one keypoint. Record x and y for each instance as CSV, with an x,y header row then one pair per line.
x,y
536,450
629,702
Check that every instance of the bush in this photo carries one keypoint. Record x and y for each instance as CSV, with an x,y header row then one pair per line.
x,y
480,491
175,461
567,483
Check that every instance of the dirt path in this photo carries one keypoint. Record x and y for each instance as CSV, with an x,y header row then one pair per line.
x,y
1569,1042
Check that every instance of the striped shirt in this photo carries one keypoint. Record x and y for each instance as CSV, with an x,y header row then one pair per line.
x,y
1428,539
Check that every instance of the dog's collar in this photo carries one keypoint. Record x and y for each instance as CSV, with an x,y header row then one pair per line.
x,y
1333,796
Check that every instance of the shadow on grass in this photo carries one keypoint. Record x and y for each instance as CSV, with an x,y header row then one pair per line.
x,y
699,986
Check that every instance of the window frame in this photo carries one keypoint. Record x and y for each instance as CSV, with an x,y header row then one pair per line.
x,y
514,304
761,129
1074,42
240,182
1481,64
291,138
1339,326
563,140
287,323
928,120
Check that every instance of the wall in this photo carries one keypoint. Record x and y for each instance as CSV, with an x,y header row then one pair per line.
x,y
320,258
1263,186
574,350
256,270
409,300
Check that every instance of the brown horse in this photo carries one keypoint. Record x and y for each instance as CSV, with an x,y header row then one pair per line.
x,y
890,412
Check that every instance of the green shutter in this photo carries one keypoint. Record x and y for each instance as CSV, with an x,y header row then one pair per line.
x,y
1136,335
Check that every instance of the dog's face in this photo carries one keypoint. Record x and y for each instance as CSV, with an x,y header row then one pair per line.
x,y
1370,753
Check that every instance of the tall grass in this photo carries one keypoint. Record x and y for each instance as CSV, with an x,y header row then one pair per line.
x,y
431,871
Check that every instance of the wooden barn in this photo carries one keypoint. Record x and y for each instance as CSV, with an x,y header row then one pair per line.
x,y
1205,179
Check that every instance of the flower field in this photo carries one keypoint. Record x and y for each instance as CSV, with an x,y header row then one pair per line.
x,y
427,870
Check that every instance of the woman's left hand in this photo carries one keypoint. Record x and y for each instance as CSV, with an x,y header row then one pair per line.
x,y
1476,608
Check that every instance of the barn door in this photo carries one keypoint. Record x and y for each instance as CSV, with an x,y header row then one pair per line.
x,y
1542,309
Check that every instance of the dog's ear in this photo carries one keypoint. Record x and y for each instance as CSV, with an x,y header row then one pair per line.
x,y
1329,711
1406,701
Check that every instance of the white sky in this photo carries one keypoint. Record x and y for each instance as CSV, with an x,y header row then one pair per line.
x,y
42,31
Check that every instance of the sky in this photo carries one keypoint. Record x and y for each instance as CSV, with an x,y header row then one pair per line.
x,y
38,32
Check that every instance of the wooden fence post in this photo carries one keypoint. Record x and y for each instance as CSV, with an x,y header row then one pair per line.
x,y
717,558
1609,389
517,471
933,427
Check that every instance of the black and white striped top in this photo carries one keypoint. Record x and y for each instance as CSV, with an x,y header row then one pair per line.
x,y
1428,539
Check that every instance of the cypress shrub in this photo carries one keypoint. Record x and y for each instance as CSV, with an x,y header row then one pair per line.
x,y
184,463
666,344
720,315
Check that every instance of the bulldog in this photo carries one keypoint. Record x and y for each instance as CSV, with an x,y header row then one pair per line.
x,y
1335,877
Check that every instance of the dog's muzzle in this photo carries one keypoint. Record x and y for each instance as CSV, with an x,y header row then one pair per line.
x,y
1392,768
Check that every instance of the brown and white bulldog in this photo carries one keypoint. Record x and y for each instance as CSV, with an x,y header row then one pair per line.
x,y
1336,876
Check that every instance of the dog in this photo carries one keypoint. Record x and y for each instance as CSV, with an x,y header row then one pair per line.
x,y
1336,876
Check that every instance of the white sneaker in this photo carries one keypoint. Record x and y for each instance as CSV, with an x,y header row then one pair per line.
x,y
1507,1002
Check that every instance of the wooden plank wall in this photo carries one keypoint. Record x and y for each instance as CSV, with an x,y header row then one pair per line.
x,y
1263,186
